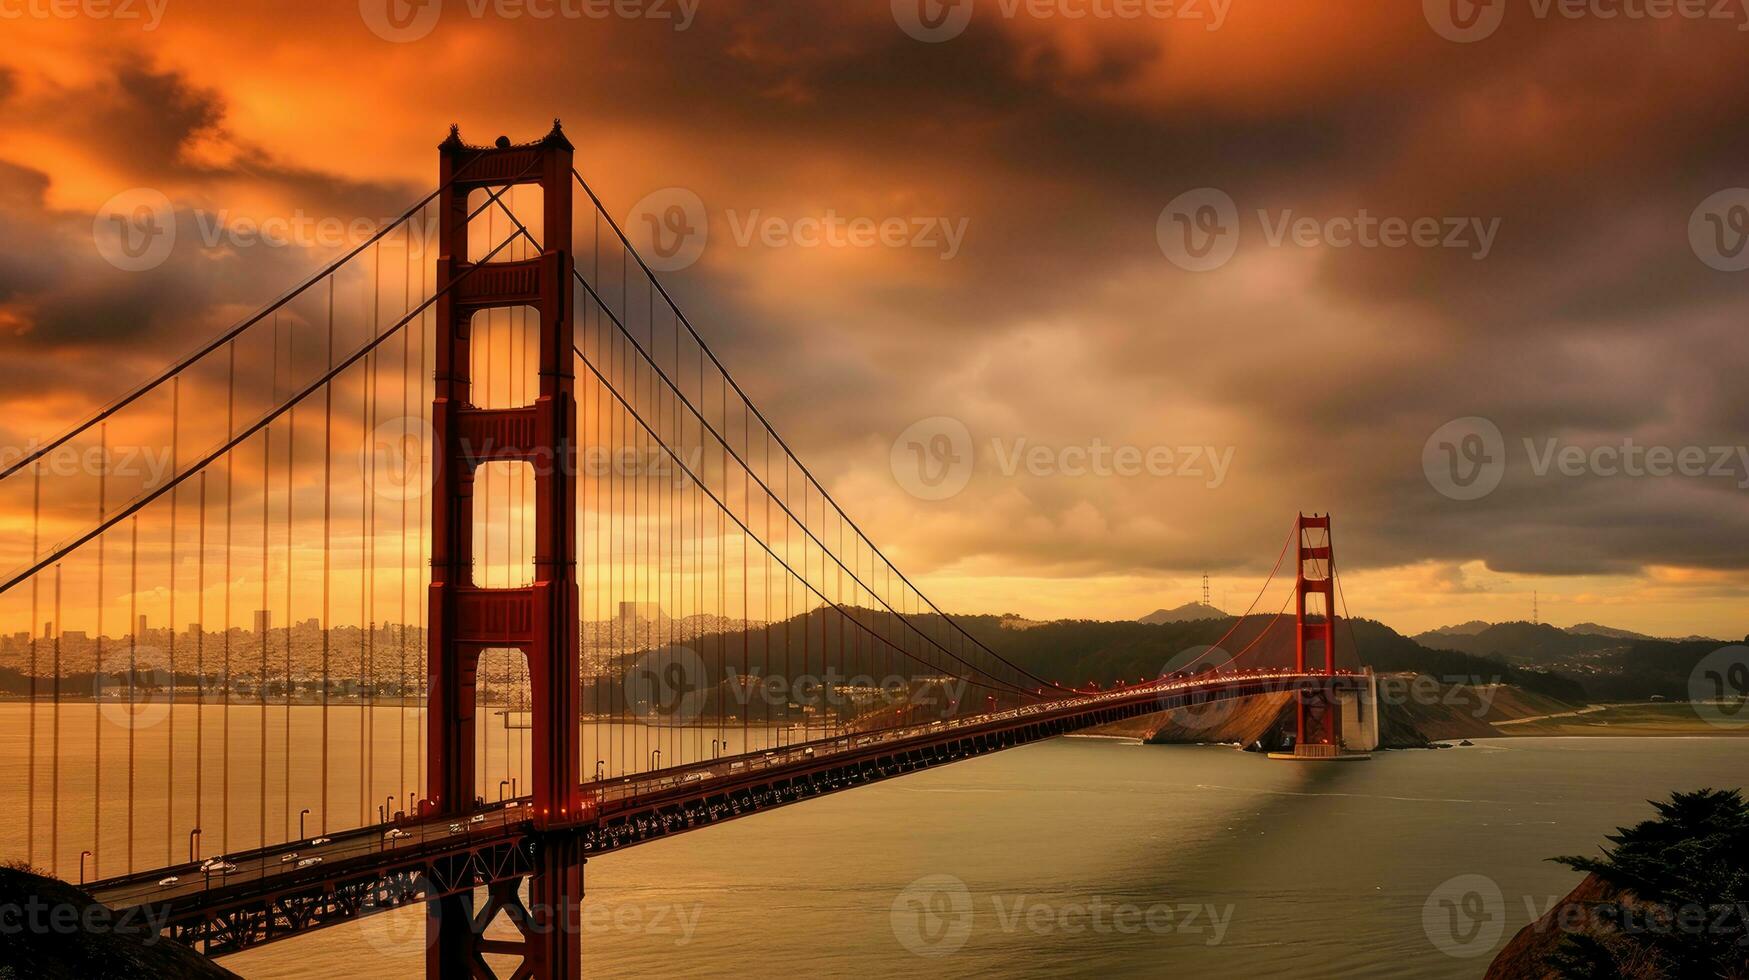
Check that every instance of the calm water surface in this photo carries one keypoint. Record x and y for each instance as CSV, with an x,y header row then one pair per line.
x,y
1274,868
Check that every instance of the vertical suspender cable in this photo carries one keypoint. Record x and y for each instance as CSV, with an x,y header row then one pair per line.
x,y
133,667
98,678
55,738
225,681
327,546
200,682
170,768
36,503
291,444
263,619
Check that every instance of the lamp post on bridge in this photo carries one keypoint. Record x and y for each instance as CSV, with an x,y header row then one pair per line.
x,y
302,835
82,856
193,845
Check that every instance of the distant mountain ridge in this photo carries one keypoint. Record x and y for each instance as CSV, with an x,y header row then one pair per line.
x,y
1598,629
1522,642
1470,628
1189,612
1533,642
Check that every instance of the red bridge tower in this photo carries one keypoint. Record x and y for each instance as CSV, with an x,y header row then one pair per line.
x,y
1319,727
540,619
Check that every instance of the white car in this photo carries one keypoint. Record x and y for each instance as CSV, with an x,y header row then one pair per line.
x,y
319,841
167,882
455,828
396,834
288,858
511,805
309,862
477,818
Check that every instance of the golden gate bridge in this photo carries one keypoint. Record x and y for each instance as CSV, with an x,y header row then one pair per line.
x,y
579,595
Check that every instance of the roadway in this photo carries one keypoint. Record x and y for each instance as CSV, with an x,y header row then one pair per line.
x,y
279,866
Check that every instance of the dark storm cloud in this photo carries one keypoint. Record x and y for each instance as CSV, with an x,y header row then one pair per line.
x,y
1590,321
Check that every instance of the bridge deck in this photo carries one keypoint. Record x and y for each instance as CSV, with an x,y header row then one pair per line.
x,y
278,891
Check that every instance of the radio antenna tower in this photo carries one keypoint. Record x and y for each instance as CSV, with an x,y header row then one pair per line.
x,y
1205,588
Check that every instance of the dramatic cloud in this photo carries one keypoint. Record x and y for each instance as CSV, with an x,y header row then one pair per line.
x,y
1569,294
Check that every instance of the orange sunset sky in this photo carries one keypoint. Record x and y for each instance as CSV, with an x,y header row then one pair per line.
x,y
1319,371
